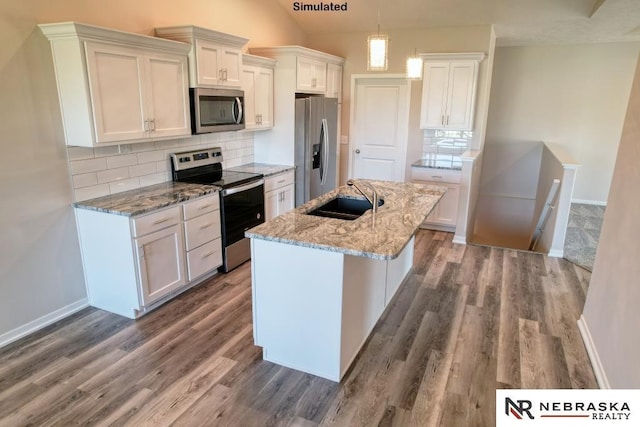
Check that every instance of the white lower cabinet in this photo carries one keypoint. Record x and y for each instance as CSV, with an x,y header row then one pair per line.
x,y
160,263
134,264
279,194
444,214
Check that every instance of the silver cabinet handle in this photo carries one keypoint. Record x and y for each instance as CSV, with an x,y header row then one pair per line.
x,y
202,227
357,151
208,254
160,221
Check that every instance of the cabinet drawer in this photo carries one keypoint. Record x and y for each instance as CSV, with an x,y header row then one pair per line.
x,y
435,175
279,181
201,229
155,221
204,259
200,206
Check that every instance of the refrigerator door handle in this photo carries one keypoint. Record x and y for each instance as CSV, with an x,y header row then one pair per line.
x,y
324,160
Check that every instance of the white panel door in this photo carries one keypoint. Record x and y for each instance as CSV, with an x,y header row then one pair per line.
x,y
379,123
264,96
208,63
116,81
231,60
160,263
249,77
434,95
461,90
168,95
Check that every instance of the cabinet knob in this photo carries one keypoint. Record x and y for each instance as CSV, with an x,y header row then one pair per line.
x,y
357,151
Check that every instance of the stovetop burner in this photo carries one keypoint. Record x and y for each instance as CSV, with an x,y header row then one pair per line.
x,y
205,167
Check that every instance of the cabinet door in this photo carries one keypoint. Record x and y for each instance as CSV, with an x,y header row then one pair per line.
x,y
334,82
271,204
447,209
319,80
287,199
311,75
208,63
167,95
160,260
461,90
116,84
434,95
231,65
264,97
249,77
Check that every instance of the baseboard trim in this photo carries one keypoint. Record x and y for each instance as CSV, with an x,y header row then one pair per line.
x,y
461,240
556,253
589,202
596,364
34,325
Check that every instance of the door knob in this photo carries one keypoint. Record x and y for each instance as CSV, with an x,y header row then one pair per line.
x,y
357,151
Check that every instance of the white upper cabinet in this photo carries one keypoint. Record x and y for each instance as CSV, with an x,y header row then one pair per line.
x,y
334,82
449,90
215,58
311,75
257,83
117,87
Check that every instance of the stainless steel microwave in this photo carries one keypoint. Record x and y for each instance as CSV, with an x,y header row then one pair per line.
x,y
216,110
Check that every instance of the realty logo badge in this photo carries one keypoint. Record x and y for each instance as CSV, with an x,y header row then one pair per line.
x,y
567,408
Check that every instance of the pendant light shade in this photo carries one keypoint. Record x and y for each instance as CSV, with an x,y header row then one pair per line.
x,y
377,49
414,67
378,46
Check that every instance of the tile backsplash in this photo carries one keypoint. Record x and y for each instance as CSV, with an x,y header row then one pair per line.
x,y
108,170
446,142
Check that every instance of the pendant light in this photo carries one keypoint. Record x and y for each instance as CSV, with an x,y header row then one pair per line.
x,y
378,48
414,67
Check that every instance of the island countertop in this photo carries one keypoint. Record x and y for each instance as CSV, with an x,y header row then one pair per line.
x,y
380,236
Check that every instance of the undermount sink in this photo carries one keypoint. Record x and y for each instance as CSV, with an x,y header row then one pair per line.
x,y
343,208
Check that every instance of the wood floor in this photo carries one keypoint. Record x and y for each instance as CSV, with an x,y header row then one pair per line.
x,y
468,320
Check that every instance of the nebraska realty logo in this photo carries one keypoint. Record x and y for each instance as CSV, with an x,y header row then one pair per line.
x,y
567,407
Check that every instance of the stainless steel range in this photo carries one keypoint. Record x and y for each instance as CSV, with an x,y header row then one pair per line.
x,y
241,199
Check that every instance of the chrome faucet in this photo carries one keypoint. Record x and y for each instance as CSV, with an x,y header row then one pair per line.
x,y
373,200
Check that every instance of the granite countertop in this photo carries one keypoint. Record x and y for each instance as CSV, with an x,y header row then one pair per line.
x,y
146,199
439,161
382,236
262,168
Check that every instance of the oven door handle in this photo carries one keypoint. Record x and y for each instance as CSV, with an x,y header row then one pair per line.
x,y
234,190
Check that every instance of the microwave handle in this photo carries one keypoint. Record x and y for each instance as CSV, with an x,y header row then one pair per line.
x,y
238,119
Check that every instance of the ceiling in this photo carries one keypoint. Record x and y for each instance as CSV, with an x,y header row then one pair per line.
x,y
517,22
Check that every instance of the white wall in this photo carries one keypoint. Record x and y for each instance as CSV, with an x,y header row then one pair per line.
x,y
40,267
572,95
611,314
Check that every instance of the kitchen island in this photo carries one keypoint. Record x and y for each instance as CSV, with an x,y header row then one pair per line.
x,y
320,284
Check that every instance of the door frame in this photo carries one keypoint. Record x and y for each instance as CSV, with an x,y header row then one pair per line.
x,y
352,113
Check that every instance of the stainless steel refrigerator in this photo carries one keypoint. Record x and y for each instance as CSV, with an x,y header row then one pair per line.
x,y
315,146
